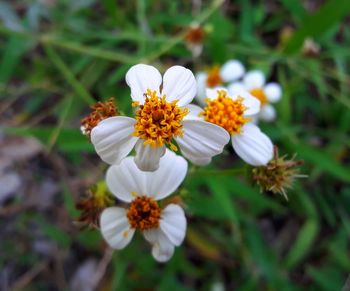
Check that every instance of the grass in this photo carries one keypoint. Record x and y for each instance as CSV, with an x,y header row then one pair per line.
x,y
56,60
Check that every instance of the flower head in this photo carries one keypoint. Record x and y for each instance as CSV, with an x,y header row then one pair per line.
x,y
162,119
194,38
100,111
217,76
195,34
234,113
254,82
97,199
164,228
278,175
158,121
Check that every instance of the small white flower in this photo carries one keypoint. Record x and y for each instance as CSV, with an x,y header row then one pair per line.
x,y
163,228
235,114
255,83
194,38
214,78
160,119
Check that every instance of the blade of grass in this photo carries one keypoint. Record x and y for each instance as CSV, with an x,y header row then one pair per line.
x,y
62,118
303,243
68,75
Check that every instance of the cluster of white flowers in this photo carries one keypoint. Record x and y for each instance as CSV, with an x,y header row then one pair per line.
x,y
165,122
236,80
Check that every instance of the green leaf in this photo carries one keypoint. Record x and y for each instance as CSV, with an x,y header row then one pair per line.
x,y
303,243
315,25
323,161
11,57
69,140
223,198
68,75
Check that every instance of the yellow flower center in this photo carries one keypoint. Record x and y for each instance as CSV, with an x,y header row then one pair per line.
x,y
226,112
214,78
144,213
259,94
158,121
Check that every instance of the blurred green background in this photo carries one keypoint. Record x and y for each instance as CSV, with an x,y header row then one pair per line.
x,y
57,57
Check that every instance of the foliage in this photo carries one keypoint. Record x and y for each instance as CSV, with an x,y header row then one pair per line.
x,y
59,57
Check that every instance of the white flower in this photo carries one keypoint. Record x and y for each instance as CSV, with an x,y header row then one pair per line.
x,y
234,113
230,71
163,228
160,119
255,83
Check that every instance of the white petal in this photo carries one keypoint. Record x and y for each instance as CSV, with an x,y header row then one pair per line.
x,y
115,227
201,79
273,92
194,112
173,223
140,78
126,179
236,88
112,138
170,174
232,70
254,79
212,93
199,161
151,235
179,84
267,113
147,157
163,250
253,146
202,140
251,103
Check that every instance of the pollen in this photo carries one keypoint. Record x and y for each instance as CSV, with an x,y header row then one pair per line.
x,y
158,121
259,94
214,78
144,213
100,111
226,112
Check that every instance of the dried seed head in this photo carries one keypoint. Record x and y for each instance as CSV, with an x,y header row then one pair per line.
x,y
278,175
96,199
100,111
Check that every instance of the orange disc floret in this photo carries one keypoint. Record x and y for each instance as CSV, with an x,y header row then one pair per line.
x,y
158,121
100,111
259,94
144,213
226,112
214,78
